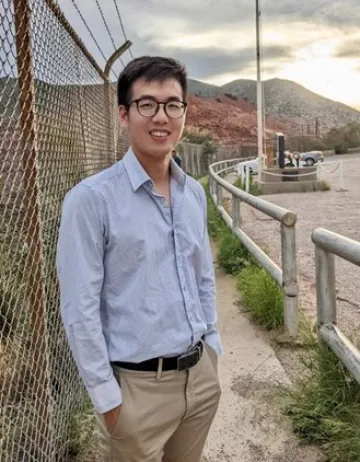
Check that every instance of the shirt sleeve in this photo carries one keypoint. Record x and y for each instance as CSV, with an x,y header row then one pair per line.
x,y
80,255
207,289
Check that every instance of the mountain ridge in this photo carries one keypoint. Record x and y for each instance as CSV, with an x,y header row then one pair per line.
x,y
283,98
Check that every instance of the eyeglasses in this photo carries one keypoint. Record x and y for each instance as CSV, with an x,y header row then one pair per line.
x,y
148,107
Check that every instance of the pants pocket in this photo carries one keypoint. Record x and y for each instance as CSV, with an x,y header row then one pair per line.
x,y
213,356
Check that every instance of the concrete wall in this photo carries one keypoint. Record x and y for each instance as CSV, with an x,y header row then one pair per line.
x,y
293,186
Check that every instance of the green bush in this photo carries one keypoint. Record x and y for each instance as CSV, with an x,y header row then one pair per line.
x,y
233,256
340,149
196,138
325,406
262,297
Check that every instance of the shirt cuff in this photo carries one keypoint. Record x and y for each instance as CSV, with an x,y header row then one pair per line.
x,y
106,396
214,341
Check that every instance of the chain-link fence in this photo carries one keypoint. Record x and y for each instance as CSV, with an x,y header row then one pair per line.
x,y
58,125
57,116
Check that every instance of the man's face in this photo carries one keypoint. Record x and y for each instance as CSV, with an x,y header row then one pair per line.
x,y
153,136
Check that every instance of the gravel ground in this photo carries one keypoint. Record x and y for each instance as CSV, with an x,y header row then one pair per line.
x,y
336,210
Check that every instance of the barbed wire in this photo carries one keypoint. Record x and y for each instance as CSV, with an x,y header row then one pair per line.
x,y
108,29
90,32
122,25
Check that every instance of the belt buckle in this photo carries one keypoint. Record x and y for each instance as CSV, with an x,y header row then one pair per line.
x,y
187,360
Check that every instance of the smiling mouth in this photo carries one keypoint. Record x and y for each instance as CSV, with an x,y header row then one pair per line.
x,y
159,133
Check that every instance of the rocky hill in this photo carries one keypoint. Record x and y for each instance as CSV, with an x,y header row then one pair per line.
x,y
284,98
233,121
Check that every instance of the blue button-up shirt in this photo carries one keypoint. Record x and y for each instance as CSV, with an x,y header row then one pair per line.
x,y
136,275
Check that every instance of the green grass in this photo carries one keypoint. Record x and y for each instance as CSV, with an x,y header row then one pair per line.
x,y
233,256
82,429
255,189
216,226
325,406
307,331
262,297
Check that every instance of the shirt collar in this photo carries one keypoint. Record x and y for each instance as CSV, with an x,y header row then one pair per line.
x,y
177,173
138,175
135,170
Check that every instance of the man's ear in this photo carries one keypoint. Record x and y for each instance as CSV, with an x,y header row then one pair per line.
x,y
124,116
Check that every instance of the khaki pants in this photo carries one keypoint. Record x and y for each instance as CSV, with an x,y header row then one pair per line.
x,y
165,416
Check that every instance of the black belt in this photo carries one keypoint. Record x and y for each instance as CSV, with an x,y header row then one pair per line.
x,y
178,363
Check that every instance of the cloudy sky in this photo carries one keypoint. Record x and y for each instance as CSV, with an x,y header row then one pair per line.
x,y
314,42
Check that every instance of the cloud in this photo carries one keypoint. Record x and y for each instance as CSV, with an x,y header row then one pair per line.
x,y
349,49
216,40
205,63
342,14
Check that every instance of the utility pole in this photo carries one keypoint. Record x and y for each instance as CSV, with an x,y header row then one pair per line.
x,y
259,97
302,137
317,127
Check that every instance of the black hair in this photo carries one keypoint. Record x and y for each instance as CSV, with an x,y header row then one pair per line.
x,y
149,68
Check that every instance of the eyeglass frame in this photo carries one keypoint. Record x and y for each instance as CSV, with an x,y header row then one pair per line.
x,y
136,101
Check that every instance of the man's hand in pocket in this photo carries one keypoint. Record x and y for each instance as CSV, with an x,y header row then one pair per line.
x,y
111,417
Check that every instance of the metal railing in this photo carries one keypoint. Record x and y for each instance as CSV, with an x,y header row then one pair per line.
x,y
327,245
286,276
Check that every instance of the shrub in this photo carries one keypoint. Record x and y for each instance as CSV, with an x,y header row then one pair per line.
x,y
262,297
340,149
233,256
325,408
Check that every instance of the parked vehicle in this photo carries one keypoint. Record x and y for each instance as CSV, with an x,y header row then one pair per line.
x,y
307,159
312,157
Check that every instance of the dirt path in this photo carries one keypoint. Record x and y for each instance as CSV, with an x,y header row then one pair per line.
x,y
249,426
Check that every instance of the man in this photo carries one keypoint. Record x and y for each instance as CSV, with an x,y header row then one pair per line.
x,y
176,157
137,282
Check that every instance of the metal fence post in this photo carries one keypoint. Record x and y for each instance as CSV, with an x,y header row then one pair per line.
x,y
193,164
341,175
289,281
325,286
247,186
84,123
110,126
236,212
36,298
186,158
218,195
212,186
198,159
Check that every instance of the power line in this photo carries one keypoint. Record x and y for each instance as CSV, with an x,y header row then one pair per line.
x,y
107,28
90,32
122,25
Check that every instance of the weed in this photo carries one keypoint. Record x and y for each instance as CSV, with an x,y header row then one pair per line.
x,y
262,297
325,408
